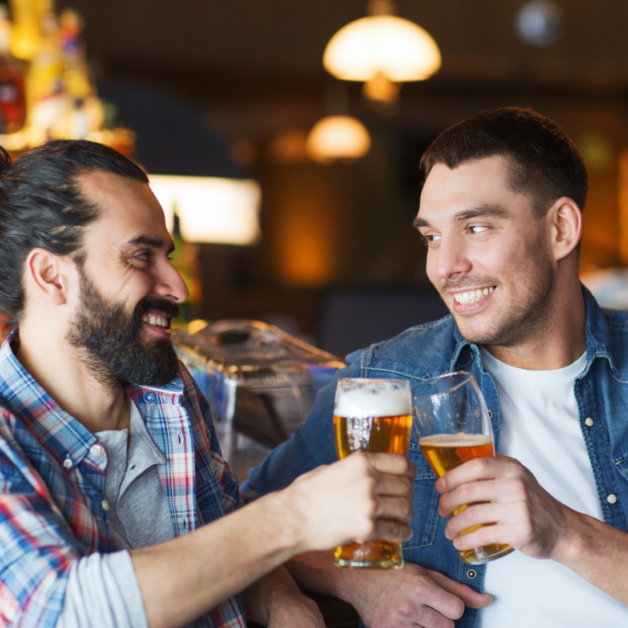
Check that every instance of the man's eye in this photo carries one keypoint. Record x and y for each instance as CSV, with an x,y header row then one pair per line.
x,y
477,229
432,238
144,256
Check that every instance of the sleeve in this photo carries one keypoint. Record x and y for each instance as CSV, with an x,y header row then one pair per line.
x,y
103,592
38,547
311,446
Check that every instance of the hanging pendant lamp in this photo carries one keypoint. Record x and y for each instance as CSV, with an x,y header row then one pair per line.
x,y
382,50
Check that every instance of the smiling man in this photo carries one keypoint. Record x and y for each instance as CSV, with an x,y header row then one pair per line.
x,y
117,509
501,214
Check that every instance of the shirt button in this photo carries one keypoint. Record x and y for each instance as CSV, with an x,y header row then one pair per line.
x,y
149,396
95,450
612,498
588,421
105,504
472,573
67,463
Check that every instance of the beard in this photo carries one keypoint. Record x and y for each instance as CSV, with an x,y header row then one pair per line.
x,y
110,341
527,316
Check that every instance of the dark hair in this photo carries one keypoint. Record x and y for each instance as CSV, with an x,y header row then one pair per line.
x,y
41,205
544,163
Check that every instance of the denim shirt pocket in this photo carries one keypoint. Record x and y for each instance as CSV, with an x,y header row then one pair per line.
x,y
424,503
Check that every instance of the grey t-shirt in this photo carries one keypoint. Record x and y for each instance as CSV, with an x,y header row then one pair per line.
x,y
102,589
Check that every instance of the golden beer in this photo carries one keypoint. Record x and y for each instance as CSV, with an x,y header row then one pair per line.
x,y
383,434
447,451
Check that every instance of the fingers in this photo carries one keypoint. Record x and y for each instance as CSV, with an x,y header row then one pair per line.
x,y
398,508
482,491
395,464
471,598
479,469
390,531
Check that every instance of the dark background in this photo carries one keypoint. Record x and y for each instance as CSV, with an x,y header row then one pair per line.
x,y
210,86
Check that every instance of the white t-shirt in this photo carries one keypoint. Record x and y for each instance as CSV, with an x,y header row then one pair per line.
x,y
540,427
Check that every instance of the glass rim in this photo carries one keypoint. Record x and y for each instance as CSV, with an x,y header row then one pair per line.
x,y
374,380
468,377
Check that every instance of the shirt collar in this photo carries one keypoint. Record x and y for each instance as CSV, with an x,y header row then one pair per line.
x,y
61,434
598,336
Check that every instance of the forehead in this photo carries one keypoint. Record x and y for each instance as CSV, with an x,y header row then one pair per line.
x,y
477,183
128,208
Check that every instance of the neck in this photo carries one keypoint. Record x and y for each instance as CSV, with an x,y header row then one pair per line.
x,y
61,371
560,342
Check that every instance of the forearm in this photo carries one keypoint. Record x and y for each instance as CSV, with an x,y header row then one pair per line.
x,y
183,578
316,571
597,552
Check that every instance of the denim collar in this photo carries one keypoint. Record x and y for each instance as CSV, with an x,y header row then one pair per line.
x,y
598,337
62,435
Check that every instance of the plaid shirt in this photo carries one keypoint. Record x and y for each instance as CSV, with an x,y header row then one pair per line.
x,y
52,488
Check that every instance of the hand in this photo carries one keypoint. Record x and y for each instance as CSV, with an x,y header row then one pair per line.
x,y
296,611
411,597
277,602
348,501
501,490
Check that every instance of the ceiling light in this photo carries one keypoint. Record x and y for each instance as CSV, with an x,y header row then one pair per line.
x,y
382,48
338,138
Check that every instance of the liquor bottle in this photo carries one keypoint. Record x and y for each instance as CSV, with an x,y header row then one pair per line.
x,y
12,96
185,259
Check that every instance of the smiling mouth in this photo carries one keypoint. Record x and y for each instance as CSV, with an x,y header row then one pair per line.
x,y
157,320
471,296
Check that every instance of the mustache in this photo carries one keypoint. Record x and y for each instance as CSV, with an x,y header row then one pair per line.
x,y
151,303
468,282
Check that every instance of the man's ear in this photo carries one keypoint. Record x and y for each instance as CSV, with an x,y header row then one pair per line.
x,y
46,276
565,219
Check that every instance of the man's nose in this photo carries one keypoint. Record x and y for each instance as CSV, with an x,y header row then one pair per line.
x,y
170,284
453,261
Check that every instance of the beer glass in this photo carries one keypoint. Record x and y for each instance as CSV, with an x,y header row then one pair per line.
x,y
371,415
452,426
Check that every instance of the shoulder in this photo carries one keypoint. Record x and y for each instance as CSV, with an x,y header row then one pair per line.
x,y
618,328
434,343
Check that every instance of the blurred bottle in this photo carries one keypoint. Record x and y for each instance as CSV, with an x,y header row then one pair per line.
x,y
185,259
12,97
26,37
47,103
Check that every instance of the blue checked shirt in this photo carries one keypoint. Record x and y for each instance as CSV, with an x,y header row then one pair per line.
x,y
52,488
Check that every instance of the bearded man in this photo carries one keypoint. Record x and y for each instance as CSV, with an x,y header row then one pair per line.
x,y
113,490
501,215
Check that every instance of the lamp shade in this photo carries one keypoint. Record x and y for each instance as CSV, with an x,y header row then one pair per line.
x,y
383,44
338,138
210,209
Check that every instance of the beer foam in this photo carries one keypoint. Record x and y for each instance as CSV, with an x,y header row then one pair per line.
x,y
456,440
361,403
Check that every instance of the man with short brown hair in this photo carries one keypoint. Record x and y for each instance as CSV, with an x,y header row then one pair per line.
x,y
501,215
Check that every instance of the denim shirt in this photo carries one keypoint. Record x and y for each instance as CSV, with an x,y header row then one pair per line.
x,y
432,349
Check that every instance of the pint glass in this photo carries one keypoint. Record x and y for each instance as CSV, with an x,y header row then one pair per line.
x,y
452,426
372,415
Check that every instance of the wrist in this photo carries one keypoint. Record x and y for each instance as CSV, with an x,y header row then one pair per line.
x,y
577,531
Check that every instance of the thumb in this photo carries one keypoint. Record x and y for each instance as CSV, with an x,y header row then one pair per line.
x,y
471,598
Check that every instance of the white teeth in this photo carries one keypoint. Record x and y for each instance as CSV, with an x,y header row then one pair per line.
x,y
155,320
472,296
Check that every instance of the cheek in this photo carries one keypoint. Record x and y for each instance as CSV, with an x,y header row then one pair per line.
x,y
431,267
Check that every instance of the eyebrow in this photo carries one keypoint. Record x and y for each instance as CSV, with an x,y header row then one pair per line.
x,y
153,243
496,211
